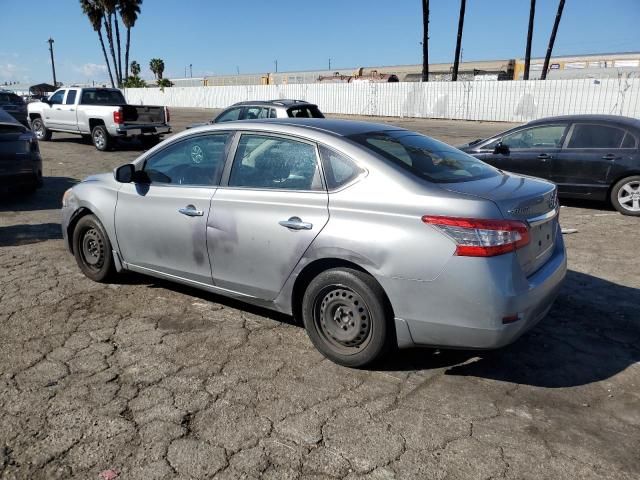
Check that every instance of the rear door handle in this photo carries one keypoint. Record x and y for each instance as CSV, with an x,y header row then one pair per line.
x,y
295,223
609,156
191,211
544,157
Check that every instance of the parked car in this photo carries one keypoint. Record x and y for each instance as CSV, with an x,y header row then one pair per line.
x,y
20,161
14,105
587,156
372,234
265,109
101,114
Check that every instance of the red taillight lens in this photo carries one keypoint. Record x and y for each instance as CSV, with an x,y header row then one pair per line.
x,y
167,114
117,116
481,238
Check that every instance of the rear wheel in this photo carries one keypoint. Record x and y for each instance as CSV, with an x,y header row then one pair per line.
x,y
92,249
345,316
42,132
625,196
101,138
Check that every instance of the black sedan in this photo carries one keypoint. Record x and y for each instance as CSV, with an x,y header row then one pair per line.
x,y
587,156
20,161
14,105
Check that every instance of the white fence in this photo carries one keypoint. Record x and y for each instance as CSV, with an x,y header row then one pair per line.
x,y
508,101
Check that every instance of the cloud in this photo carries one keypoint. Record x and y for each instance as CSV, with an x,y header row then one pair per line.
x,y
11,71
92,70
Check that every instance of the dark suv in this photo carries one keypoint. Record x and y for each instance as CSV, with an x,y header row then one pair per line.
x,y
265,109
14,105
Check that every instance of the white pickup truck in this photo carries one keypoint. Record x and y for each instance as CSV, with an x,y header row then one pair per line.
x,y
101,114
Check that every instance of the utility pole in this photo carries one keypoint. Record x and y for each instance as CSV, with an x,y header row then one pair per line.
x,y
527,53
191,70
425,41
552,40
53,65
237,70
276,62
456,62
329,63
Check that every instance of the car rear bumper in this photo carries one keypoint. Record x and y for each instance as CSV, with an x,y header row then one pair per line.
x,y
466,305
140,130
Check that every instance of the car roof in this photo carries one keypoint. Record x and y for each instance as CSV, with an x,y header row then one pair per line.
x,y
619,119
282,102
338,127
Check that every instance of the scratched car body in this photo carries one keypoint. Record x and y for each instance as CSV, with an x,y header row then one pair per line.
x,y
374,236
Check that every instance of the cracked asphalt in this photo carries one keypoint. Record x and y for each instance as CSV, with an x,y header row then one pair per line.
x,y
148,380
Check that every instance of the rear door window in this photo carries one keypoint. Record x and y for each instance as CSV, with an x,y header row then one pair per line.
x,y
589,135
629,141
339,170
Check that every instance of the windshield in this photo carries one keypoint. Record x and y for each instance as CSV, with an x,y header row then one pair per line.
x,y
100,96
425,157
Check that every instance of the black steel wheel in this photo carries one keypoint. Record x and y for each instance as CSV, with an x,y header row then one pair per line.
x,y
92,249
346,317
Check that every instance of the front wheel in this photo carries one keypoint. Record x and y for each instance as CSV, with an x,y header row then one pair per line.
x,y
101,138
92,249
42,132
625,196
346,317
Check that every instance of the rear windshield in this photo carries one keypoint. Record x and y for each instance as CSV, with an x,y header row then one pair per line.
x,y
425,157
102,97
10,99
306,111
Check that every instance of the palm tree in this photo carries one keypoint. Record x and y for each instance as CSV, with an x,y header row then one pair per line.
x,y
527,54
109,11
552,40
95,14
135,68
456,61
425,40
156,65
129,10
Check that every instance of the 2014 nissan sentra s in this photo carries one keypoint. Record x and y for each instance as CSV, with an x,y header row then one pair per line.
x,y
373,235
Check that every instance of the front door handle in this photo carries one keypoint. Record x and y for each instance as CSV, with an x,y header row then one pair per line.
x,y
191,211
544,157
295,223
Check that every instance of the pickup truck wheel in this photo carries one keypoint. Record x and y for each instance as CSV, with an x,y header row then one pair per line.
x,y
42,132
101,138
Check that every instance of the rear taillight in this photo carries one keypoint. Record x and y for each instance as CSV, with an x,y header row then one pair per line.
x,y
167,115
481,238
117,116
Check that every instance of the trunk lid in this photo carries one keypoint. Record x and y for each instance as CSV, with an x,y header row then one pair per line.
x,y
143,115
528,199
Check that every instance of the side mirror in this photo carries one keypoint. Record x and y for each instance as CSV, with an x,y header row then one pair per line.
x,y
501,148
124,173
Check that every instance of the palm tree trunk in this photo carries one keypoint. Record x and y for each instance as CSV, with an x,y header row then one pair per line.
x,y
106,58
126,54
119,51
425,40
109,28
456,61
527,53
552,40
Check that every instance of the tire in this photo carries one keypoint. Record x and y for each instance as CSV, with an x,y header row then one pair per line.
x,y
625,196
346,317
101,138
42,133
92,249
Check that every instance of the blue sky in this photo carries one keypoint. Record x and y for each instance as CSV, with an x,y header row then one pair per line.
x,y
216,36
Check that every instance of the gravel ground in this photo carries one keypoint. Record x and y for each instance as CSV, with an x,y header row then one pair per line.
x,y
149,380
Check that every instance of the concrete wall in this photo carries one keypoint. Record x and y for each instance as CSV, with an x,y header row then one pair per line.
x,y
513,101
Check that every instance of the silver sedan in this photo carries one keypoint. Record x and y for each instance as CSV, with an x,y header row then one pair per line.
x,y
374,236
